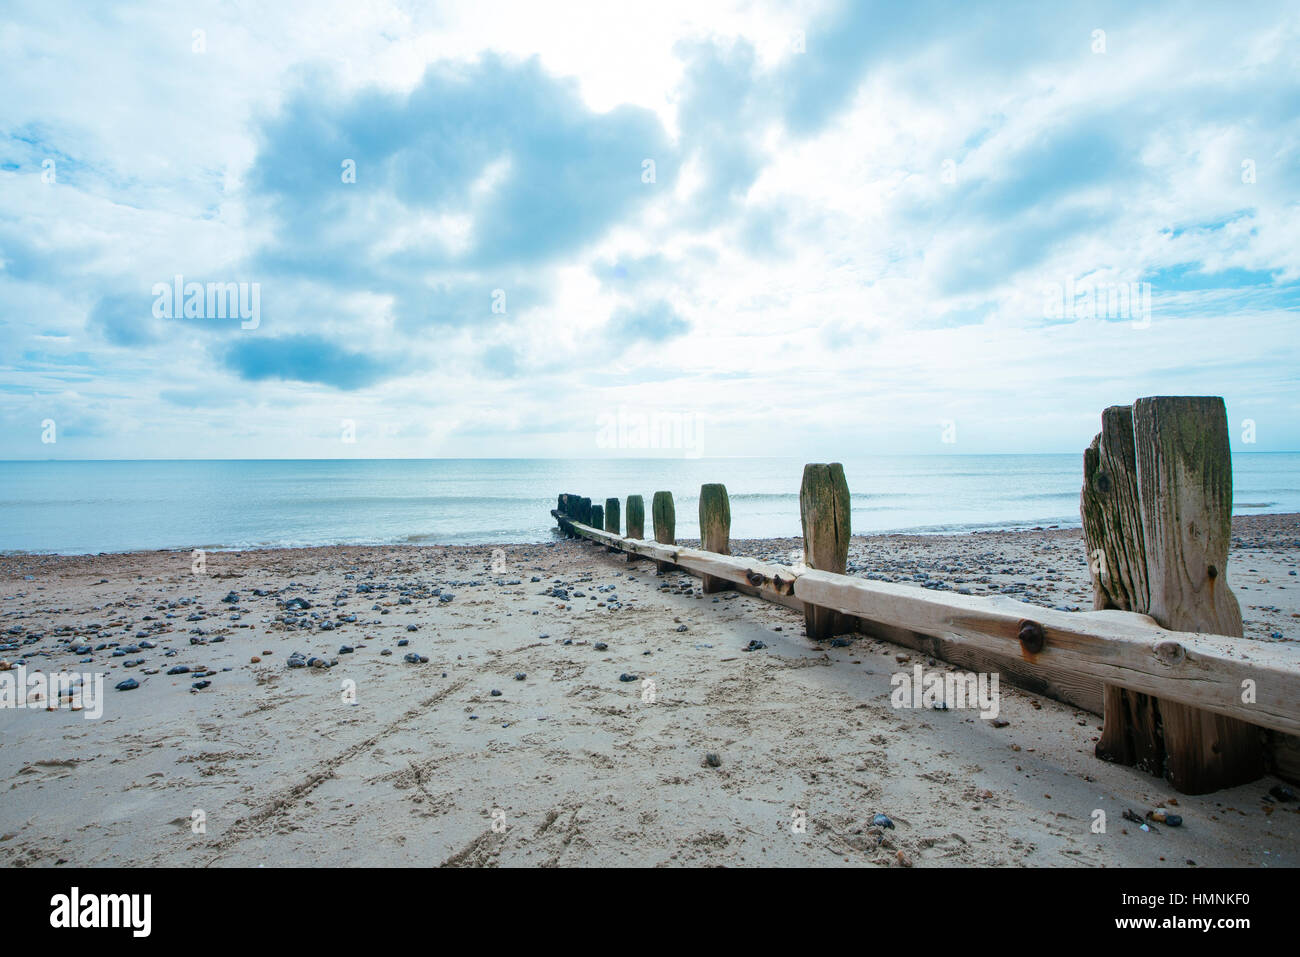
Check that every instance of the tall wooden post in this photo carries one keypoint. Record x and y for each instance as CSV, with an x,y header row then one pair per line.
x,y
635,520
715,529
1117,564
824,510
597,517
584,511
1157,517
611,520
664,516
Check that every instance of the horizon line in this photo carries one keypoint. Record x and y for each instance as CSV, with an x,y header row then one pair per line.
x,y
578,458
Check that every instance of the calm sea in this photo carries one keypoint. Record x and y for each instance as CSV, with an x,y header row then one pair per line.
x,y
78,507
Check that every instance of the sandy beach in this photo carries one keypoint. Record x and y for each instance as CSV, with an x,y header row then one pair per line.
x,y
559,711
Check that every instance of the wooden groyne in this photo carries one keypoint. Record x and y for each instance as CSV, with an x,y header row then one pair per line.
x,y
1161,656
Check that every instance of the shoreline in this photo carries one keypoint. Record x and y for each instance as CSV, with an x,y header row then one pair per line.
x,y
921,532
582,766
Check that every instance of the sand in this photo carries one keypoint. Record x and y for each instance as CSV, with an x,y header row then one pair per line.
x,y
571,766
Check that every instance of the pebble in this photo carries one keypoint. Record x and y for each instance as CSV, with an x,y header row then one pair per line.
x,y
712,760
882,820
130,684
495,693
754,645
520,676
415,659
627,677
599,646
200,685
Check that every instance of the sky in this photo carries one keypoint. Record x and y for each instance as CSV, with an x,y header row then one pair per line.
x,y
518,229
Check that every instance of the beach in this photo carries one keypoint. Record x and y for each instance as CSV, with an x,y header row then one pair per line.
x,y
566,707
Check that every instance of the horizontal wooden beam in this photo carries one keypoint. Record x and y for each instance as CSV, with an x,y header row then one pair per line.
x,y
1213,672
775,581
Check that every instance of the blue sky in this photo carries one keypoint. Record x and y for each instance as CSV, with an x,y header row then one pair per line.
x,y
482,229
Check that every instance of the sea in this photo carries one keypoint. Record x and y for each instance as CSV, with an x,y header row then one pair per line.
x,y
80,507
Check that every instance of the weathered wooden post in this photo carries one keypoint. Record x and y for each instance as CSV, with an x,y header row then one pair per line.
x,y
562,508
611,520
664,516
824,510
597,517
635,520
1157,517
715,530
584,510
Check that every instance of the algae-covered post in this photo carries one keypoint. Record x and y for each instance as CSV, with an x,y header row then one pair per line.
x,y
597,517
1157,519
715,529
564,514
635,521
824,511
611,519
664,516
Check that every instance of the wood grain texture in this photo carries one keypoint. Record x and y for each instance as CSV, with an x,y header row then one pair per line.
x,y
1112,517
1184,472
1117,565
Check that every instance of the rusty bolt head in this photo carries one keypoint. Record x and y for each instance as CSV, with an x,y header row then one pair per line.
x,y
1031,636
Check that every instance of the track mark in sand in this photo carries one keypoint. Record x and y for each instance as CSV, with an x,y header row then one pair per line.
x,y
325,770
38,772
483,851
571,833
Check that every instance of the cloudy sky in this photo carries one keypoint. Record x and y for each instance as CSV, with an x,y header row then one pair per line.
x,y
485,229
